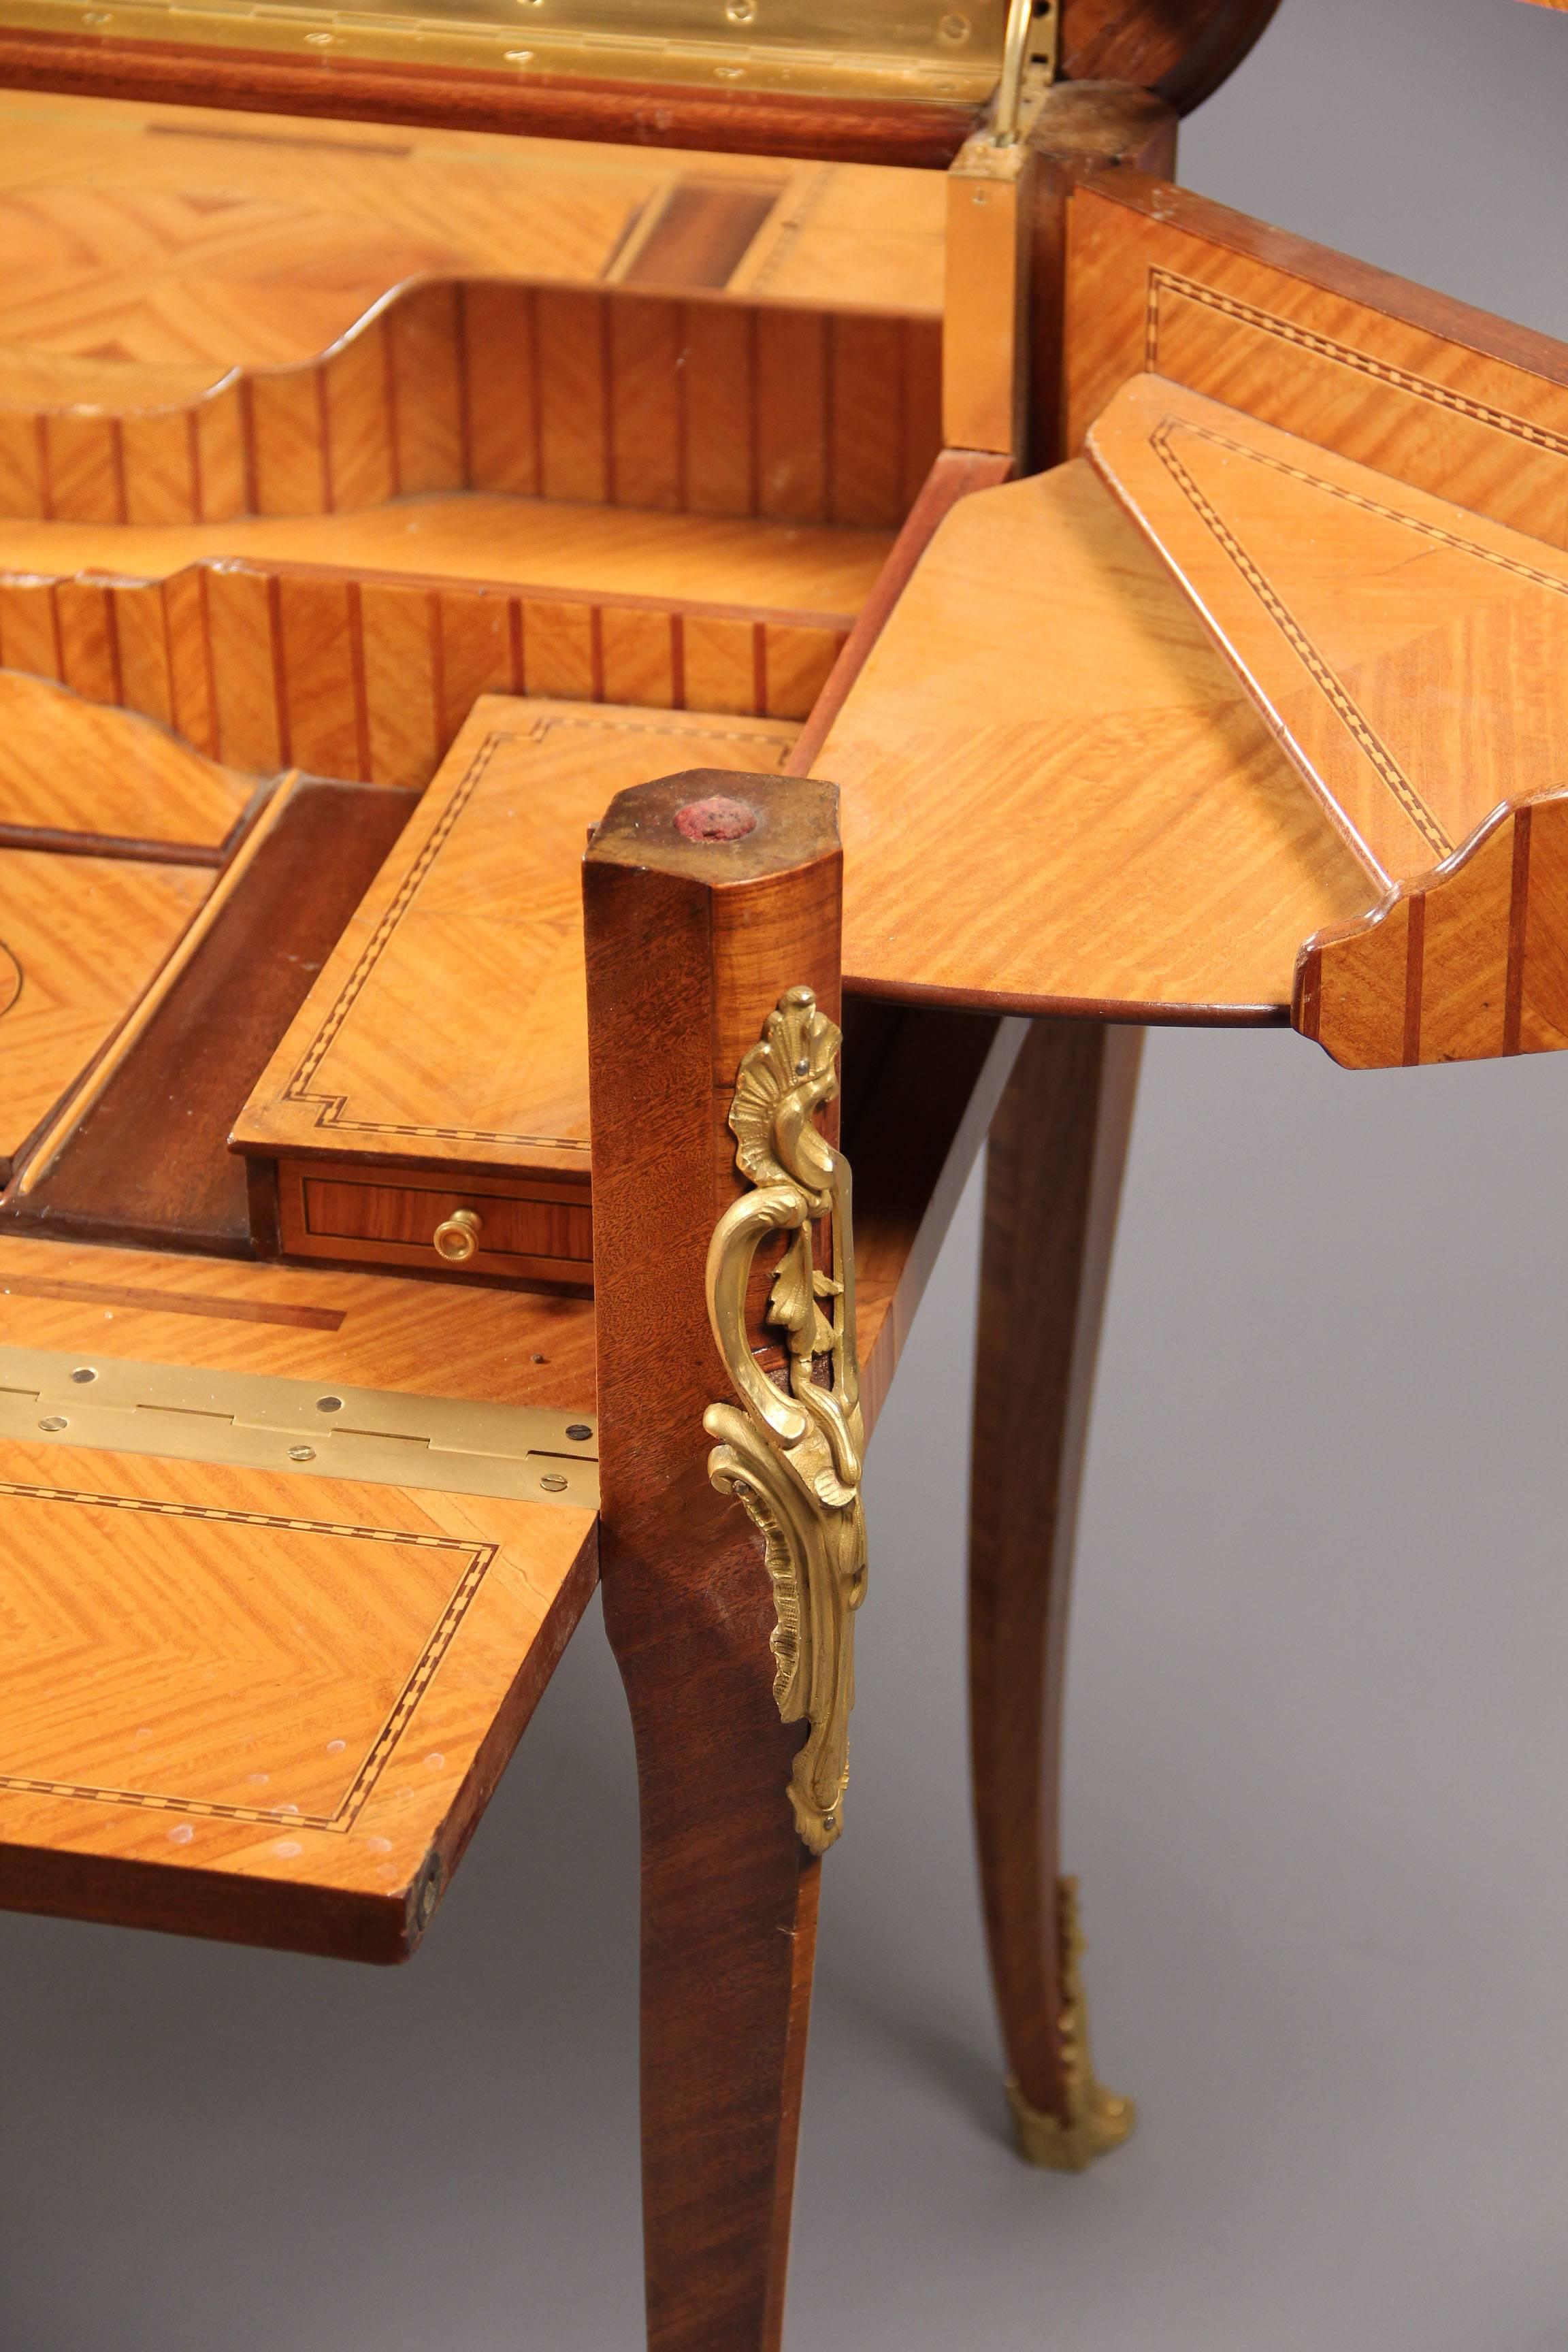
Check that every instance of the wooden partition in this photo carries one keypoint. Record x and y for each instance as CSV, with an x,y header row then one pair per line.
x,y
1432,393
371,678
702,405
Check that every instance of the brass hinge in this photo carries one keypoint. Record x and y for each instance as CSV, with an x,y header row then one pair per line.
x,y
257,1421
1031,51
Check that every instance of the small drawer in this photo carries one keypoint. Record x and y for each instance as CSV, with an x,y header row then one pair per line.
x,y
536,1231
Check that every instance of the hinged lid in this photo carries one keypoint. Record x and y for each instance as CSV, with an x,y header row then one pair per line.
x,y
893,80
850,48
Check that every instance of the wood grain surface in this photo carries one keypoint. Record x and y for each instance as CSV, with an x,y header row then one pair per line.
x,y
852,237
1408,655
1442,397
1054,1173
1182,53
249,1705
1083,128
449,1026
956,473
920,1087
558,543
1058,796
69,765
695,405
369,675
154,248
1460,965
315,1323
145,1158
689,946
150,239
80,939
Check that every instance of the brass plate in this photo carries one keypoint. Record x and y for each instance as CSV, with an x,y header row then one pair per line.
x,y
892,50
256,1422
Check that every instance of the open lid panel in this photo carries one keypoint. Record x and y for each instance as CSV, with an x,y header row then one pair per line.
x,y
1293,640
875,80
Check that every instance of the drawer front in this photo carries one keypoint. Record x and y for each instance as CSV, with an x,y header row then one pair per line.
x,y
539,1231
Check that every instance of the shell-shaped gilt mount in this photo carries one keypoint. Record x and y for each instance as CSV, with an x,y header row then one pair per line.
x,y
791,1455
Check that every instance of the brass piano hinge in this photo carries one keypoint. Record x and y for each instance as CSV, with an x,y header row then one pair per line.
x,y
256,1421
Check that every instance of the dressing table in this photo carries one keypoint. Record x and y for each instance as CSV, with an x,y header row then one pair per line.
x,y
604,628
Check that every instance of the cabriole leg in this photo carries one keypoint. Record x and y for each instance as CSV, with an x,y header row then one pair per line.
x,y
1057,1148
707,898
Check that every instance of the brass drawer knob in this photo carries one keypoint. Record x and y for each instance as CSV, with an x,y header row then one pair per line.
x,y
457,1237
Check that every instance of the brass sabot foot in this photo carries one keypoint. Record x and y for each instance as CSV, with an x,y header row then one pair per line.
x,y
1093,2120
1101,2123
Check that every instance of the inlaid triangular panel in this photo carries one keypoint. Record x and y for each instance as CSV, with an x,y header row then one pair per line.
x,y
1408,654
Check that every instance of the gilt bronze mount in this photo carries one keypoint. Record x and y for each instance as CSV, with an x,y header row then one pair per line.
x,y
791,1457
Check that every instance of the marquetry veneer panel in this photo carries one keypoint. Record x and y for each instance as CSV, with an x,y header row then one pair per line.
x,y
255,1707
370,1329
1408,654
1431,394
67,765
1128,838
80,939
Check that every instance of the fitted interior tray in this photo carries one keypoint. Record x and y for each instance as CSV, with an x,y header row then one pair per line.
x,y
428,1104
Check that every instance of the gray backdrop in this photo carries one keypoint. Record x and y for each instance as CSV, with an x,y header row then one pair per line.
x,y
1319,1735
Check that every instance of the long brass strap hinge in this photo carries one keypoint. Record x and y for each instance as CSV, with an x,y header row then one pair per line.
x,y
324,1430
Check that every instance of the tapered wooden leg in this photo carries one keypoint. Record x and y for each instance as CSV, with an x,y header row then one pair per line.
x,y
705,898
1057,1148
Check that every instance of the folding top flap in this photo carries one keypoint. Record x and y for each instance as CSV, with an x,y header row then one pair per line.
x,y
252,1705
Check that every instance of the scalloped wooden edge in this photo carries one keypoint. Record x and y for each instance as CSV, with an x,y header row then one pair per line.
x,y
1467,963
696,403
369,675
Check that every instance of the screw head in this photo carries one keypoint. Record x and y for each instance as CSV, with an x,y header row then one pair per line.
x,y
580,1431
554,1483
57,1420
302,1454
329,1404
83,1373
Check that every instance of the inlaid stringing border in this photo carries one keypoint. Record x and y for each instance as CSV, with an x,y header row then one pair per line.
x,y
1162,281
332,1111
479,1558
1329,685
